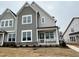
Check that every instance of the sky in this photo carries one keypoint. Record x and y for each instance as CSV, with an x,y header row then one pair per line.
x,y
63,11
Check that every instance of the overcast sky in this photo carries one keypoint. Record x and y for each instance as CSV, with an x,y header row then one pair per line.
x,y
63,11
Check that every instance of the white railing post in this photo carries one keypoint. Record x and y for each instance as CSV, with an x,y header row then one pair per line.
x,y
57,36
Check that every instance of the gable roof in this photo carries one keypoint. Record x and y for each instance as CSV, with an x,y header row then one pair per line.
x,y
26,4
14,15
42,9
70,24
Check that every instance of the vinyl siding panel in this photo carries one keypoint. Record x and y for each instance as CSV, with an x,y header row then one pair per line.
x,y
8,15
20,26
48,20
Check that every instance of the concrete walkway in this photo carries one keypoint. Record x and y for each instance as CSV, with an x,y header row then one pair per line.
x,y
73,47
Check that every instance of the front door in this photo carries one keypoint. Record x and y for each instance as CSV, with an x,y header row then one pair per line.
x,y
42,38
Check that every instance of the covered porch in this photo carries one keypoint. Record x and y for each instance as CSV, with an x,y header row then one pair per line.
x,y
48,36
2,33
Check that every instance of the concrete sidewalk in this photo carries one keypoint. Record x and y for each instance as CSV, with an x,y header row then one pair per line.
x,y
73,47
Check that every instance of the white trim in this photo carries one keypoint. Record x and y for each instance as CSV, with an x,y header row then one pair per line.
x,y
42,19
22,35
8,37
26,19
16,24
57,36
36,27
5,23
11,31
5,11
36,20
47,29
12,13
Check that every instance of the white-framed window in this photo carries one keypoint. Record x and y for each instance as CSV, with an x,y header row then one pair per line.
x,y
10,23
72,29
7,23
2,23
26,19
41,35
72,39
26,36
42,20
11,37
49,35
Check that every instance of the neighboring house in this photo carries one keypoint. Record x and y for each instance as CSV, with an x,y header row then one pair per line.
x,y
71,34
32,26
7,27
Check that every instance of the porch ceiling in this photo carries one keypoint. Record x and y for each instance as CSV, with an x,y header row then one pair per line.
x,y
2,31
47,28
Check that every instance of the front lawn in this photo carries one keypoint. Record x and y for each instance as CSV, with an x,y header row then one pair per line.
x,y
41,51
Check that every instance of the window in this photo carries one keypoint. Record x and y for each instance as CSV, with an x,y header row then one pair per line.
x,y
10,23
24,36
27,36
2,23
77,37
49,35
41,36
7,23
43,20
72,39
11,37
26,19
72,29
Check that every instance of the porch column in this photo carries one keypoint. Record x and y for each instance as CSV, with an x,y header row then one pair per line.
x,y
37,35
57,36
2,39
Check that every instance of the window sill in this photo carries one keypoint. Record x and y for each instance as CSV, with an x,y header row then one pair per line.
x,y
26,41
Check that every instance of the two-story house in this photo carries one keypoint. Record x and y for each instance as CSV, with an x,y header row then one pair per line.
x,y
71,34
7,27
32,26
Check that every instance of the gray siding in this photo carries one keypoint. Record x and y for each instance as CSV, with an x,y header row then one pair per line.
x,y
48,20
20,26
8,15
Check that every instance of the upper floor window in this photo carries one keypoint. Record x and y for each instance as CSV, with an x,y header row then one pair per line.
x,y
72,29
10,23
26,19
42,20
2,23
7,23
